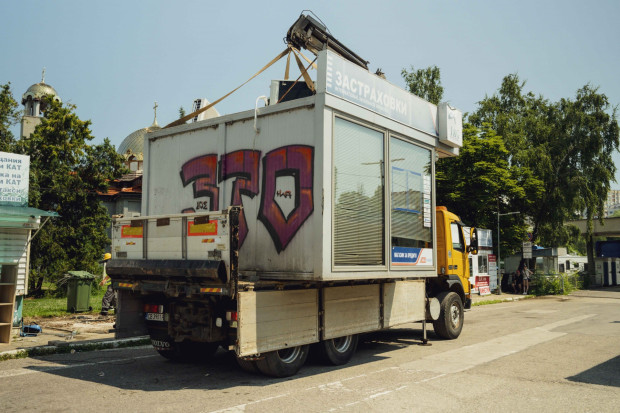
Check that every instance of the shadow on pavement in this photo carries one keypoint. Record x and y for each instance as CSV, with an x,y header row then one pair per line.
x,y
143,369
605,374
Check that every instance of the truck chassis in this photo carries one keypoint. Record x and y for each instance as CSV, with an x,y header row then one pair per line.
x,y
191,306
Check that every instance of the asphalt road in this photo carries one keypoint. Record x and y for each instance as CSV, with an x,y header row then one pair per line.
x,y
550,354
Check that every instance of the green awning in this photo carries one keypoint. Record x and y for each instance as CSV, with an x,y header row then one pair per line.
x,y
25,212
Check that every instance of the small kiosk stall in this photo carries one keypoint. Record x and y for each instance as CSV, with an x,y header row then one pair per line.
x,y
17,222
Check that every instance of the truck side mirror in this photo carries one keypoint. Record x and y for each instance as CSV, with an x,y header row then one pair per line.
x,y
473,241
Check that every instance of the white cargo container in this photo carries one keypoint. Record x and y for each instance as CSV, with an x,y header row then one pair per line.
x,y
334,186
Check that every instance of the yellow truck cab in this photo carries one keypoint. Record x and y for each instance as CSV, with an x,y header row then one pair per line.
x,y
451,287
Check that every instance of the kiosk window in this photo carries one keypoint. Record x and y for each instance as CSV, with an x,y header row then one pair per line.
x,y
411,204
359,216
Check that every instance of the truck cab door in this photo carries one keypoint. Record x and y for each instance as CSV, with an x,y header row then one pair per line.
x,y
458,262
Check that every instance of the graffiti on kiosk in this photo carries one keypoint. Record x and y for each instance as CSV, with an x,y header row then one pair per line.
x,y
205,172
285,194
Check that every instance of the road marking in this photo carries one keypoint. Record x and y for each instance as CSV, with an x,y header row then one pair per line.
x,y
373,396
539,311
461,359
329,387
383,393
241,407
453,361
46,369
465,358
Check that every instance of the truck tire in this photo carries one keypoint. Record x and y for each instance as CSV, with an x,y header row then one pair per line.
x,y
451,316
283,363
248,365
338,351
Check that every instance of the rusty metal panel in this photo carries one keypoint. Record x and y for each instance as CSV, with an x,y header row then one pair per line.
x,y
273,320
351,310
403,302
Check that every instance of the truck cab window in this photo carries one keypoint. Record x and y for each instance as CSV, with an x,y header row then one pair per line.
x,y
457,237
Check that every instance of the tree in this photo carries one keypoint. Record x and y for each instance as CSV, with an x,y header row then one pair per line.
x,y
480,182
567,145
9,116
425,83
591,135
181,112
66,173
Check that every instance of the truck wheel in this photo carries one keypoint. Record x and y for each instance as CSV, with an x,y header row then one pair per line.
x,y
451,316
338,351
283,363
247,365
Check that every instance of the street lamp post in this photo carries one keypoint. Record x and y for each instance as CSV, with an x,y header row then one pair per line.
x,y
499,261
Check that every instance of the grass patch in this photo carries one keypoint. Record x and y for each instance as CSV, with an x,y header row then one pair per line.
x,y
499,300
487,302
55,307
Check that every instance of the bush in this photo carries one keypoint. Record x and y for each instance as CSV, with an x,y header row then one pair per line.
x,y
556,284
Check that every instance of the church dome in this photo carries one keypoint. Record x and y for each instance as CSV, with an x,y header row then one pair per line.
x,y
133,144
38,91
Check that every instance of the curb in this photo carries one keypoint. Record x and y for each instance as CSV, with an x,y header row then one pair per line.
x,y
64,347
499,299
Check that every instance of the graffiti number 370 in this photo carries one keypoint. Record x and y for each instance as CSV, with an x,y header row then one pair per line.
x,y
205,172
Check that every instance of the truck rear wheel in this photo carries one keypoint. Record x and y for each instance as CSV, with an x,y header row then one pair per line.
x,y
338,351
451,316
247,365
283,363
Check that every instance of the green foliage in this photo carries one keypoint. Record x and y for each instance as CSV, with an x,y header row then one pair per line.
x,y
65,175
559,284
575,243
567,145
181,112
9,116
425,83
481,181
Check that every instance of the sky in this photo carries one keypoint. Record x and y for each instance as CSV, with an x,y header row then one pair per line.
x,y
114,59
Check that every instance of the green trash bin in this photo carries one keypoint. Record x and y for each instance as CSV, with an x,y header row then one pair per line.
x,y
78,291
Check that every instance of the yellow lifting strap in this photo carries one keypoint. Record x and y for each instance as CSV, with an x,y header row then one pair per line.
x,y
295,82
305,74
288,64
305,58
199,111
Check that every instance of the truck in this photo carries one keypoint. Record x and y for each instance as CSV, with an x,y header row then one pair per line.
x,y
296,226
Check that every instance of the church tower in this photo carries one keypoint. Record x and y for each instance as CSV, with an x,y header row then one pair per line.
x,y
35,103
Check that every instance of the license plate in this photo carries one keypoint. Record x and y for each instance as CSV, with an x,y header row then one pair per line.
x,y
155,316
